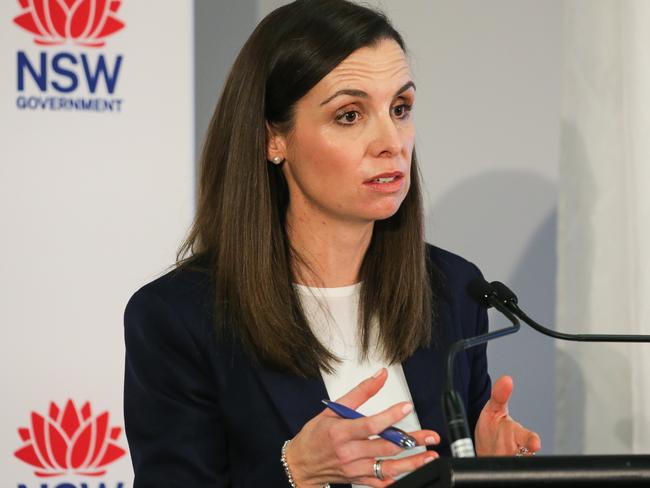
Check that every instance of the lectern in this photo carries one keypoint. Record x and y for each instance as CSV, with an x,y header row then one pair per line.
x,y
532,472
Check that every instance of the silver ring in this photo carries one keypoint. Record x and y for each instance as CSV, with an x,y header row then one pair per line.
x,y
522,451
377,469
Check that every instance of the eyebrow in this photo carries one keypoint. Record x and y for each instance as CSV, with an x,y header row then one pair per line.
x,y
362,94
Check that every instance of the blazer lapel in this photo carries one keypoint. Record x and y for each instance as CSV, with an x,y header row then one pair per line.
x,y
423,372
297,400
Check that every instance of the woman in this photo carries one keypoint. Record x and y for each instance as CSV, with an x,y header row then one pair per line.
x,y
307,271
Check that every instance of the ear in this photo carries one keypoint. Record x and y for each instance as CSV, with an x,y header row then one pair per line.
x,y
276,145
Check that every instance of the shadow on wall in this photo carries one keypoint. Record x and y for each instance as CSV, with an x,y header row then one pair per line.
x,y
505,221
590,419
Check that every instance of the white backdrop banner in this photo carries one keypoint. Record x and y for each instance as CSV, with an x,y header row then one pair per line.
x,y
604,227
96,190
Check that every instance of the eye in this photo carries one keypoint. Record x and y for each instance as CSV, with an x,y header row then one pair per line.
x,y
402,111
348,118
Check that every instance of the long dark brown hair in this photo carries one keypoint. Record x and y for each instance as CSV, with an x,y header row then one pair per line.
x,y
240,221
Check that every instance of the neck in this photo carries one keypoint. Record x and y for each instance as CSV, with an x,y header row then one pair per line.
x,y
331,251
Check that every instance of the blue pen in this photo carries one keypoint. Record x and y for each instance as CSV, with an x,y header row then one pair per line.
x,y
392,434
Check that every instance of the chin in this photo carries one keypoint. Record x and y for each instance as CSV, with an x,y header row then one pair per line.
x,y
385,212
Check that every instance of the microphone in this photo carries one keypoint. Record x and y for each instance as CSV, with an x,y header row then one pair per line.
x,y
460,439
506,297
503,299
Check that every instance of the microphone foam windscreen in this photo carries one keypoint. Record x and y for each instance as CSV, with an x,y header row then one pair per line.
x,y
480,290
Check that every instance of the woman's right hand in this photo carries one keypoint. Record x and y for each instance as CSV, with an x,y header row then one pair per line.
x,y
330,449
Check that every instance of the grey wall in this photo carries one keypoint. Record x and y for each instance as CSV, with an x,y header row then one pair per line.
x,y
488,77
220,30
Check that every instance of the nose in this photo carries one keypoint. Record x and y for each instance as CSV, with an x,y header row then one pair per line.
x,y
387,140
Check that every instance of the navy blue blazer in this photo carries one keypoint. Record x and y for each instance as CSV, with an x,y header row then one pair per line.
x,y
198,413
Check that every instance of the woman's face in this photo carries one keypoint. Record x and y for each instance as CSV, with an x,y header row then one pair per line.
x,y
348,156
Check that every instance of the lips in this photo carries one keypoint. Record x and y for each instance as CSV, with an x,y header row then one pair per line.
x,y
390,182
385,177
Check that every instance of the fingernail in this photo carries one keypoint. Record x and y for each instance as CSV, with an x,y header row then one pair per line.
x,y
408,408
376,375
428,459
431,440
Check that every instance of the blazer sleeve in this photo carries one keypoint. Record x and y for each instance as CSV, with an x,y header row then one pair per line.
x,y
175,432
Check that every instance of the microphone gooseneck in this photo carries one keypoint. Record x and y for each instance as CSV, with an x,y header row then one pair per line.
x,y
503,299
508,299
460,439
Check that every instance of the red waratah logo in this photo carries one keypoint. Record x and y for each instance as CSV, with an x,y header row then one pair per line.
x,y
81,22
69,441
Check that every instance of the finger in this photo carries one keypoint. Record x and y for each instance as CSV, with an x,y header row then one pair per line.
x,y
380,448
374,424
363,391
501,392
529,439
371,448
426,437
362,471
392,468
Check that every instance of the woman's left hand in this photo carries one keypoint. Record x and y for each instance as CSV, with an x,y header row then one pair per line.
x,y
497,434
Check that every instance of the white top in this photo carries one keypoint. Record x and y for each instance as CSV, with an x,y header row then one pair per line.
x,y
332,315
